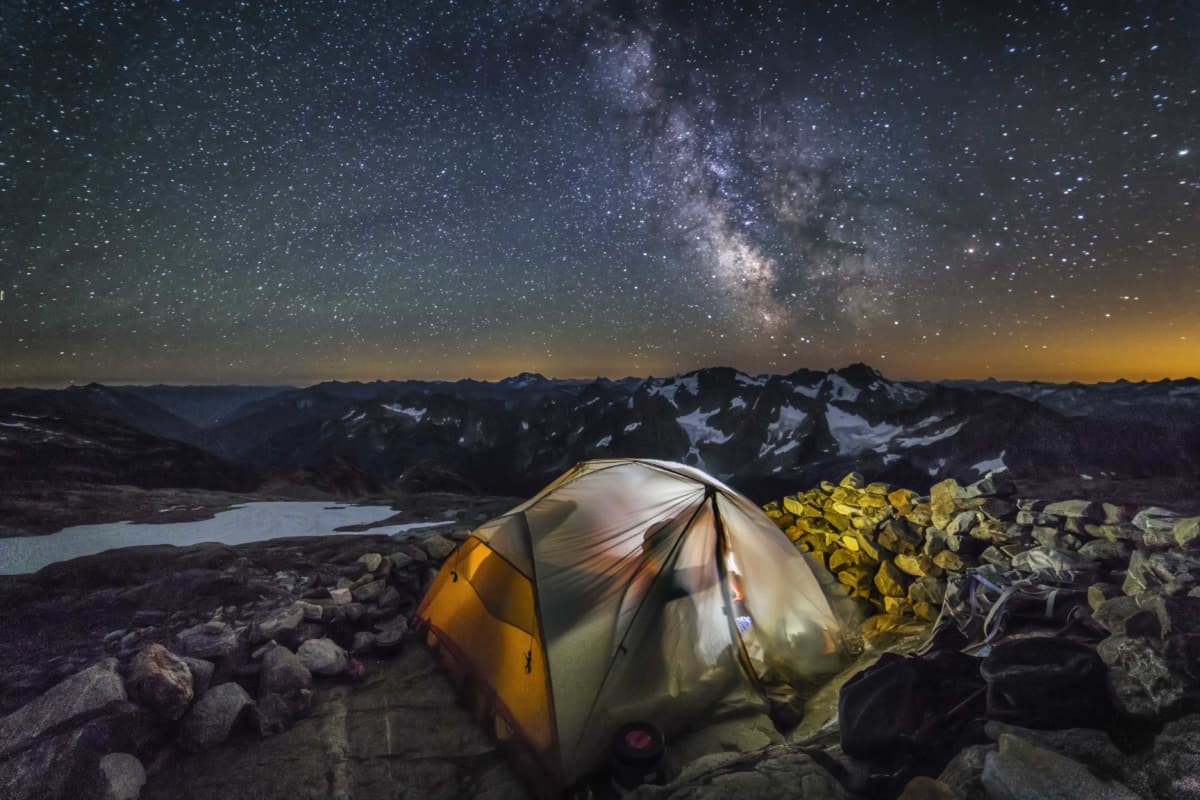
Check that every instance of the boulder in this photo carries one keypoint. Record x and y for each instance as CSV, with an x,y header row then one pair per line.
x,y
899,536
1168,572
1020,770
81,697
322,657
437,547
202,673
1088,746
214,716
1111,614
370,591
890,581
372,561
208,640
1076,509
949,561
941,502
1187,532
964,773
961,522
1140,681
123,776
63,767
1097,593
161,680
280,622
853,480
1170,770
283,673
340,596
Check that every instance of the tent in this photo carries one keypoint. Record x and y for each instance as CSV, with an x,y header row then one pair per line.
x,y
626,590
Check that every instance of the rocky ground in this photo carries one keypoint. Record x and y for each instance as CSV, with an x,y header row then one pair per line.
x,y
285,668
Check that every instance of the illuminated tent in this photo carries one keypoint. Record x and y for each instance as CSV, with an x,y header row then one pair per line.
x,y
626,590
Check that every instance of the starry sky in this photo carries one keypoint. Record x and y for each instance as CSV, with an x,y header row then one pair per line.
x,y
266,192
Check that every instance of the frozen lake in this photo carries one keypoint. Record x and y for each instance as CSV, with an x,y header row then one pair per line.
x,y
252,522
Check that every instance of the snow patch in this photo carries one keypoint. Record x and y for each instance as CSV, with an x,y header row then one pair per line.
x,y
786,421
841,389
605,442
416,414
737,402
991,465
696,426
631,427
854,434
920,441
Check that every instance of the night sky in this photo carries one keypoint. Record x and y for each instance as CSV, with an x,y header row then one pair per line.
x,y
265,192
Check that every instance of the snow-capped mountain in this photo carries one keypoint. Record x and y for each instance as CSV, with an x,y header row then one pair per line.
x,y
762,433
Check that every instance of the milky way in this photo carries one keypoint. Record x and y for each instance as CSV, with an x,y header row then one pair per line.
x,y
257,192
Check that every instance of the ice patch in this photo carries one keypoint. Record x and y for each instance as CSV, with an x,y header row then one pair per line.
x,y
854,434
991,465
416,414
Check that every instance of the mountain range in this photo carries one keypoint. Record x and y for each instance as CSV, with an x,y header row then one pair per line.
x,y
763,434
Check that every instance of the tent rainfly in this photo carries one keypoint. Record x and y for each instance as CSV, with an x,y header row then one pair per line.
x,y
626,590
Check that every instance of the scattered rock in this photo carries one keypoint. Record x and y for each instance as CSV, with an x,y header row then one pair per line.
x,y
208,640
964,773
437,547
1022,771
890,581
322,657
124,776
161,680
280,622
1170,770
340,596
1140,681
214,716
202,672
283,673
369,592
82,696
372,561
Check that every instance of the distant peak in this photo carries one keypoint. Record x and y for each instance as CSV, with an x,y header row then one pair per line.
x,y
859,373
